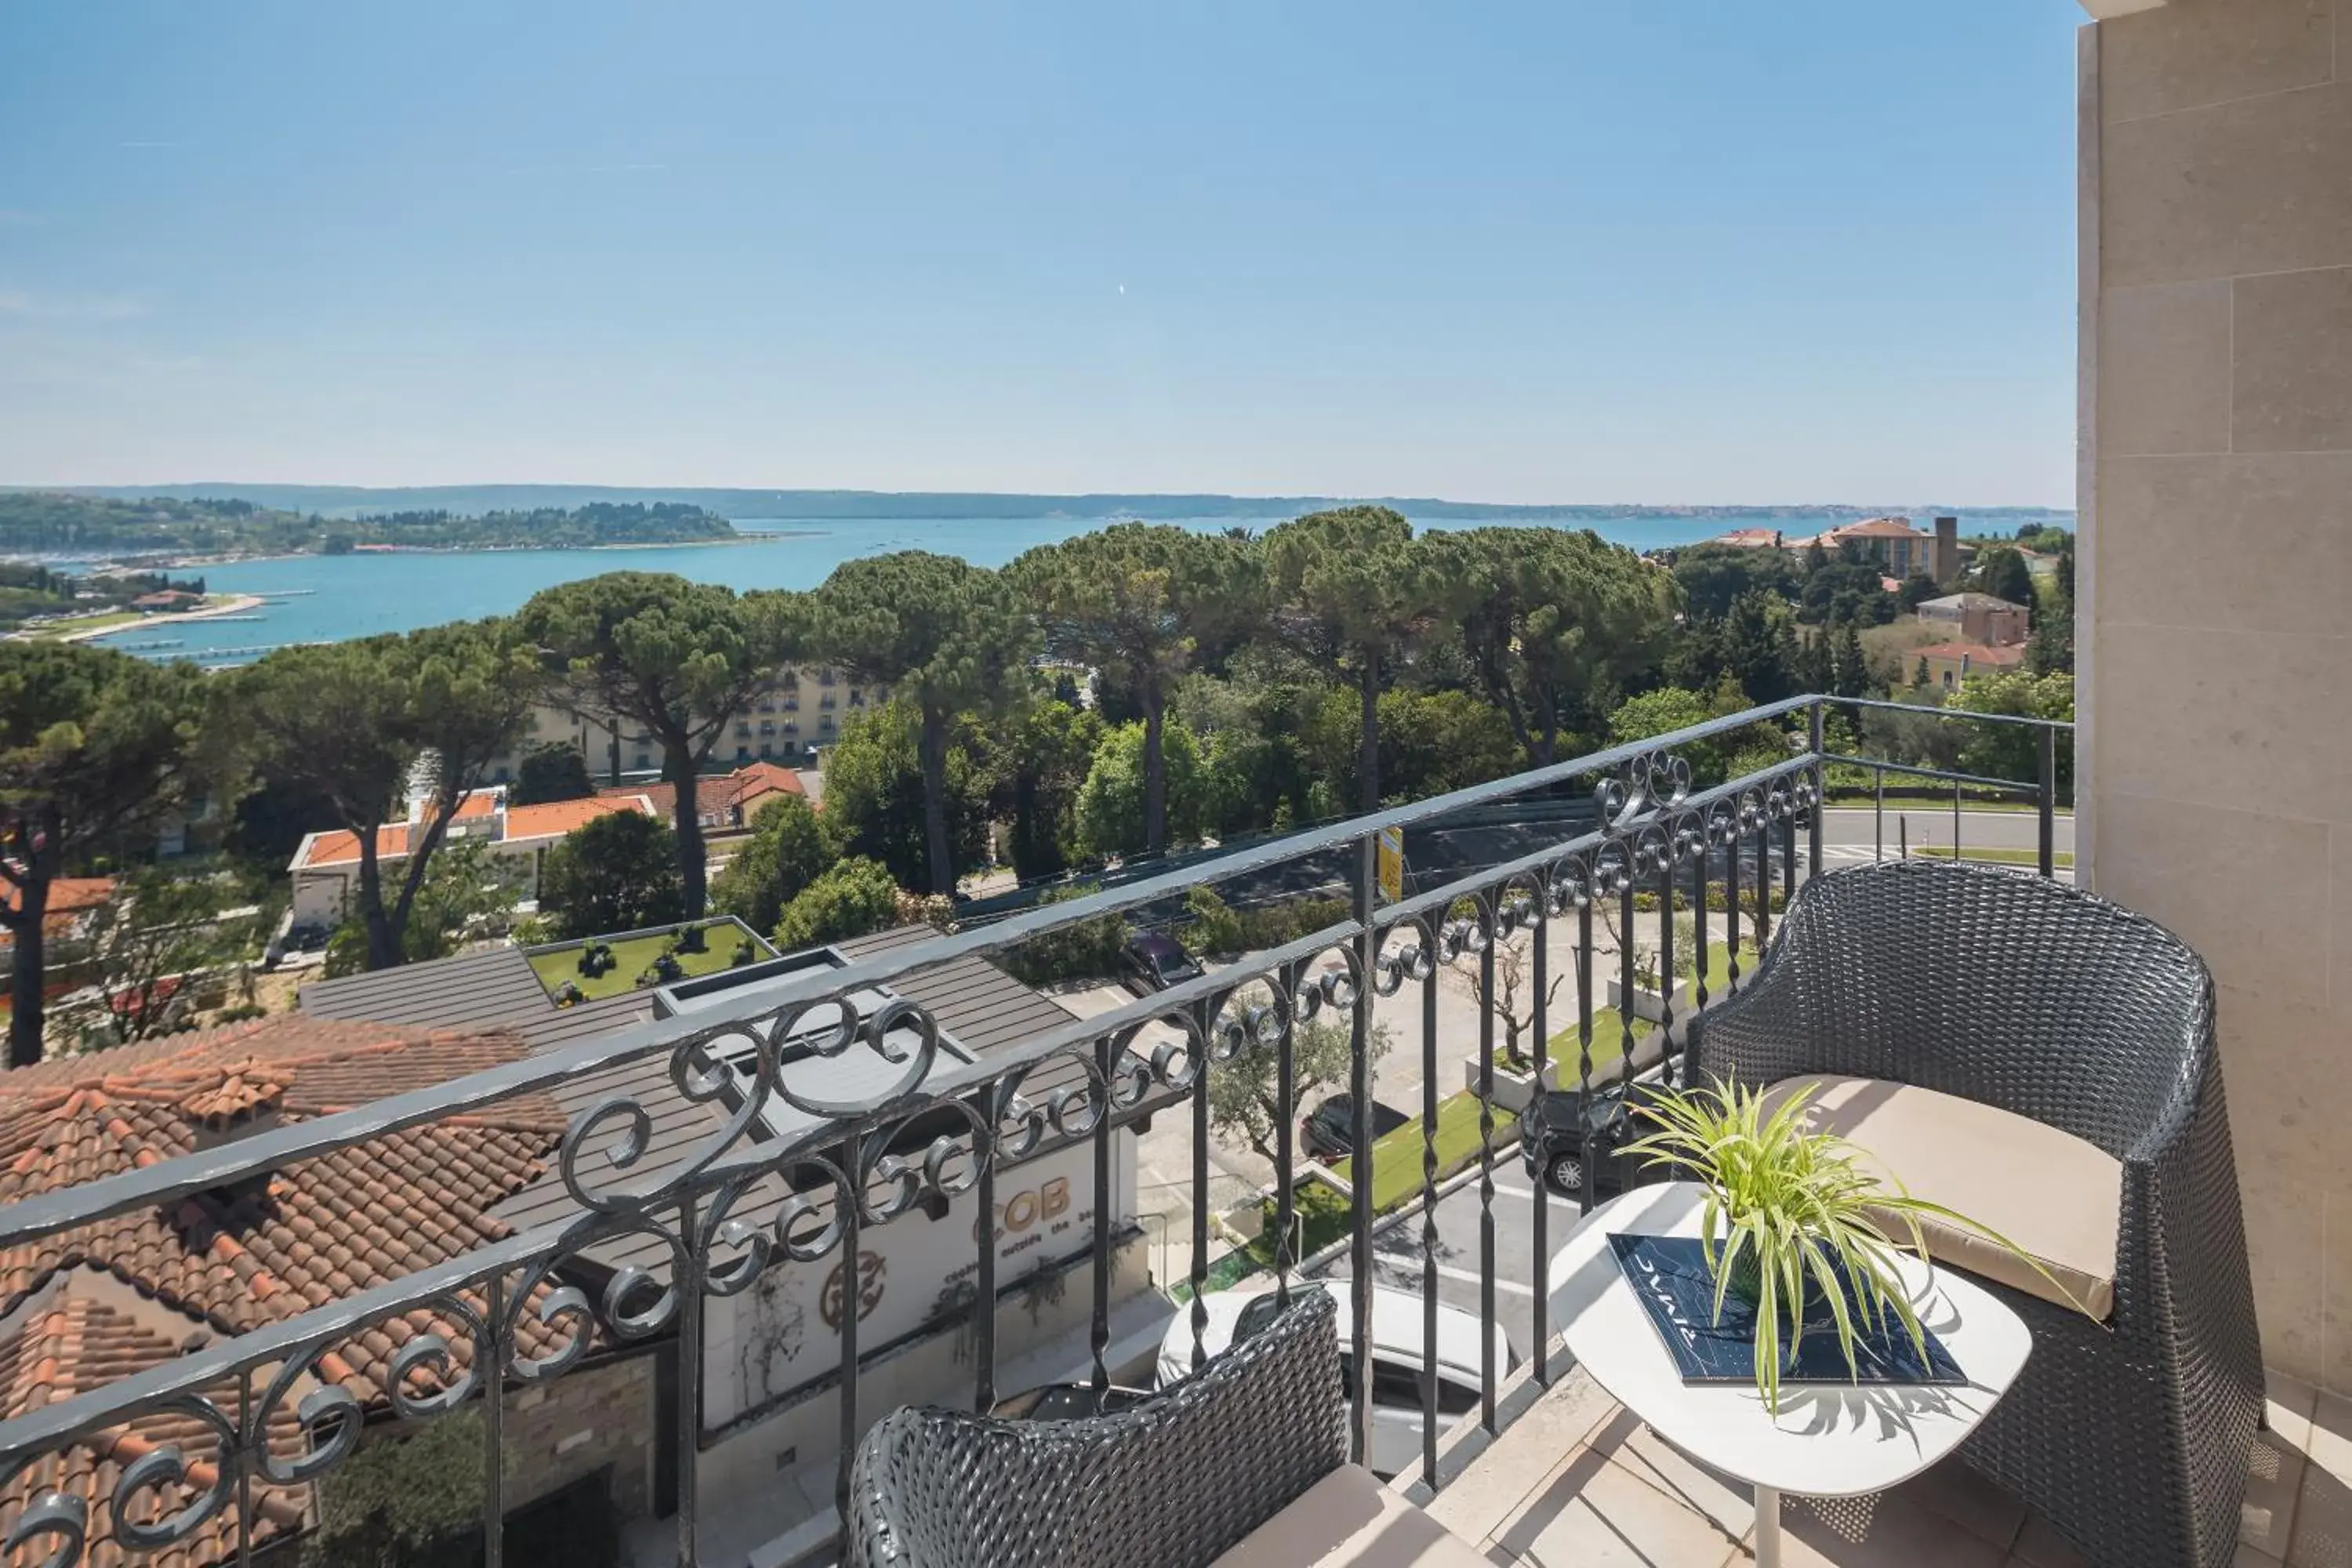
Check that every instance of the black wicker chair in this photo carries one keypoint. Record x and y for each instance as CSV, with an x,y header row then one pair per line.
x,y
2132,1436
1169,1484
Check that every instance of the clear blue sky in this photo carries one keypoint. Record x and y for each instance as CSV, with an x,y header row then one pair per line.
x,y
1552,251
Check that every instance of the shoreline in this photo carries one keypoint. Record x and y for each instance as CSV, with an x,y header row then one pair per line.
x,y
235,604
162,560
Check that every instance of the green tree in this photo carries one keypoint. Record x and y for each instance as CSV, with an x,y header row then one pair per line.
x,y
853,898
1038,757
612,873
1849,671
1433,741
154,940
366,724
97,748
1917,590
674,659
2002,573
1759,647
1244,1102
1112,804
2014,751
1133,601
1553,620
553,771
946,637
877,801
1352,592
790,846
1711,575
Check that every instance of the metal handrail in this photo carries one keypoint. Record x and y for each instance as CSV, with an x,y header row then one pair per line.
x,y
1652,834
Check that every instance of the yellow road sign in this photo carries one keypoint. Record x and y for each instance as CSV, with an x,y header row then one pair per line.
x,y
1391,863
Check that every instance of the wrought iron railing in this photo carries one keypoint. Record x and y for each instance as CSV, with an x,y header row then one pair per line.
x,y
1724,850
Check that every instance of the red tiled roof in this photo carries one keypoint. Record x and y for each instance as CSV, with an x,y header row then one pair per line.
x,y
717,795
551,820
70,898
68,894
1877,528
232,1261
554,818
72,1344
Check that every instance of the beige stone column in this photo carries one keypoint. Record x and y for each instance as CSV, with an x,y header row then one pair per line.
x,y
2217,553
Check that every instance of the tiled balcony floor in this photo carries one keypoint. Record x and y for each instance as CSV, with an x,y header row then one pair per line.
x,y
1577,1482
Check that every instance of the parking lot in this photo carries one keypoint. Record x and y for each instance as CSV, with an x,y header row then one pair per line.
x,y
1397,1258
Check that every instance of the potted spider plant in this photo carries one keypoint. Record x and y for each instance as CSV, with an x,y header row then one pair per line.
x,y
1792,1216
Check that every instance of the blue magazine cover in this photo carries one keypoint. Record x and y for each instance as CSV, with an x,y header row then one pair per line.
x,y
1668,1275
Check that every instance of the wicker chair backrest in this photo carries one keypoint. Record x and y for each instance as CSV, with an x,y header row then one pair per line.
x,y
1169,1484
2003,987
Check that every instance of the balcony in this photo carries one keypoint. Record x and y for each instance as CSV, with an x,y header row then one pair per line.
x,y
709,1234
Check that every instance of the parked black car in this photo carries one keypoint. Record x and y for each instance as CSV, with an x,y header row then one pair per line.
x,y
1328,1133
1551,1139
1150,962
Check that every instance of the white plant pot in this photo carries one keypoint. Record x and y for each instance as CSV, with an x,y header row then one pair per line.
x,y
1514,1092
1649,1004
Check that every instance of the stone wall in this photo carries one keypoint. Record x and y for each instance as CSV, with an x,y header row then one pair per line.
x,y
2216,688
579,1424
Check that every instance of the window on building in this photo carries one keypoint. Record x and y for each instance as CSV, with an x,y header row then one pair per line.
x,y
824,678
767,750
792,704
827,700
767,705
791,727
644,762
826,723
743,754
743,731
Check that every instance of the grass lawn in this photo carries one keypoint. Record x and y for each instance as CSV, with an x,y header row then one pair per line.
x,y
2060,858
1396,1158
631,959
56,629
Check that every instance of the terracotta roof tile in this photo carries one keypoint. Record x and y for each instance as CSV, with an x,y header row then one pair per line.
x,y
70,1345
236,1259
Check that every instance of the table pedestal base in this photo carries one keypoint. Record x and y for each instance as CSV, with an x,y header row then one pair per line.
x,y
1768,1527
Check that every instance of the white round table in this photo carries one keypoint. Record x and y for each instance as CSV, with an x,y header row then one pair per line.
x,y
1828,1441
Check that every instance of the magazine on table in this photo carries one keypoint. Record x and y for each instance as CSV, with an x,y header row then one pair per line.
x,y
1669,1277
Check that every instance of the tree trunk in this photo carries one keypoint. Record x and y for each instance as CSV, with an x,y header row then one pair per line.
x,y
1367,754
678,766
934,749
382,936
25,984
1155,774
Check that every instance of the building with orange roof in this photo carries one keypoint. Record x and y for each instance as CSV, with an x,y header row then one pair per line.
x,y
721,800
72,902
116,1296
326,865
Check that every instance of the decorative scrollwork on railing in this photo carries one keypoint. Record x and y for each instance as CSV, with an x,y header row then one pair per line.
x,y
431,1354
163,1472
59,1518
1651,782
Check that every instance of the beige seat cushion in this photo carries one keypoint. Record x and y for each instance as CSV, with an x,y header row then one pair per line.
x,y
1348,1520
2056,1196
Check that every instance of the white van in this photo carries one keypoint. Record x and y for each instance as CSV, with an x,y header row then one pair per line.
x,y
1397,1357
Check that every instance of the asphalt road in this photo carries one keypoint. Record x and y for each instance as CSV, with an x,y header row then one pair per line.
x,y
2019,831
1397,1260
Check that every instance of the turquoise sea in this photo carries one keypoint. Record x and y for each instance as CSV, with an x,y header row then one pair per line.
x,y
327,599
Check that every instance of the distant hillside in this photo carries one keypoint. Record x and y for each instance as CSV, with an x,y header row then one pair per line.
x,y
36,522
470,501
